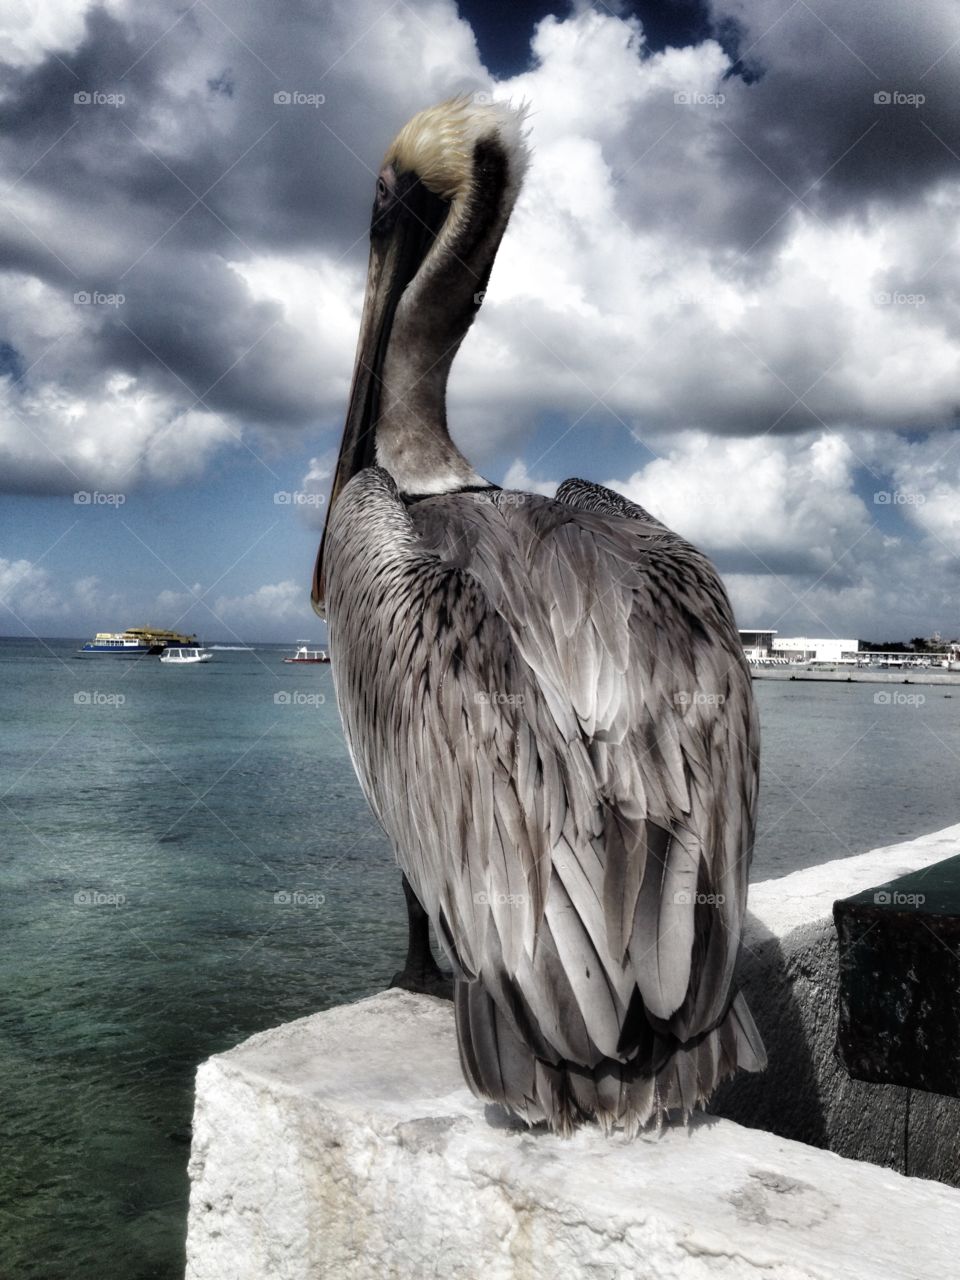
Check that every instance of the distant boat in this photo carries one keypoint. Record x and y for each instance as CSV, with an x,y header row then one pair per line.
x,y
135,641
303,654
180,656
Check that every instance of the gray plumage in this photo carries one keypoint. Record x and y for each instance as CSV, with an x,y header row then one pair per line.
x,y
548,709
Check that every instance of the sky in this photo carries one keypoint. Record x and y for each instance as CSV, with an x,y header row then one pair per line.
x,y
730,289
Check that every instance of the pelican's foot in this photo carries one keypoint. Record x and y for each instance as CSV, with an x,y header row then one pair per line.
x,y
425,980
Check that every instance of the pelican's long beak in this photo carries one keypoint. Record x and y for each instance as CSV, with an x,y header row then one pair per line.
x,y
401,237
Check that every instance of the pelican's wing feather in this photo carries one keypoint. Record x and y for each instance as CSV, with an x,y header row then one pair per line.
x,y
553,724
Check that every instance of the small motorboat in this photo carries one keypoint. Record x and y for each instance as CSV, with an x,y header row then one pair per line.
x,y
177,656
303,654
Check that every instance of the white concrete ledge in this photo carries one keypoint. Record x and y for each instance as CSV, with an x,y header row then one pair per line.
x,y
788,971
346,1145
804,897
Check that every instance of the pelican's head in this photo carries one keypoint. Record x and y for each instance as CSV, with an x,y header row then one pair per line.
x,y
444,194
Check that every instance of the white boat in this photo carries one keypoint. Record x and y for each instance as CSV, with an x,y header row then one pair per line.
x,y
305,654
180,657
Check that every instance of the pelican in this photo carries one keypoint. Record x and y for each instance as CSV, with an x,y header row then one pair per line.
x,y
545,699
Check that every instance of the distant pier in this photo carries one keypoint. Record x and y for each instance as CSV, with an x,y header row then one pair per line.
x,y
826,658
858,675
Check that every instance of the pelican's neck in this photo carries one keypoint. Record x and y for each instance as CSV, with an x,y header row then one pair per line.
x,y
431,321
413,442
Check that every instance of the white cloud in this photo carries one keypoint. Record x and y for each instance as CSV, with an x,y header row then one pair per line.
x,y
518,477
170,603
320,300
29,30
26,590
625,275
596,296
285,603
925,488
66,427
786,504
758,292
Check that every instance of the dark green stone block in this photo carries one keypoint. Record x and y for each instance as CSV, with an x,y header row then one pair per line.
x,y
899,947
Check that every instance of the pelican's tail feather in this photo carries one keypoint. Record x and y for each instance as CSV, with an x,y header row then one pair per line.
x,y
499,1065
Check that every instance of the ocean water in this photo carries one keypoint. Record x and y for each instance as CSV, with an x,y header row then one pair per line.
x,y
186,859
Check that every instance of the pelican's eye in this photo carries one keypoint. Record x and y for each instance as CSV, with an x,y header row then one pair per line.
x,y
384,203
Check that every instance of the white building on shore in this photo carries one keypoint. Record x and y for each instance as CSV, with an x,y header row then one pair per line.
x,y
815,649
762,644
756,643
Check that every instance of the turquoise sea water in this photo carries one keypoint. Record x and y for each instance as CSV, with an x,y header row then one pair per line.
x,y
186,859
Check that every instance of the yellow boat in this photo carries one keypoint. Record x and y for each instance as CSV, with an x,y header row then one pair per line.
x,y
135,641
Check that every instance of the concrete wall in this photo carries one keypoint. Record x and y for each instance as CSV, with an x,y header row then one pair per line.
x,y
347,1145
788,970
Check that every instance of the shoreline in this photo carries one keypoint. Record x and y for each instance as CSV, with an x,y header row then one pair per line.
x,y
917,675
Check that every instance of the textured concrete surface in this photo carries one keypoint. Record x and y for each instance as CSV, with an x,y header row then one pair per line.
x,y
346,1145
788,970
899,981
